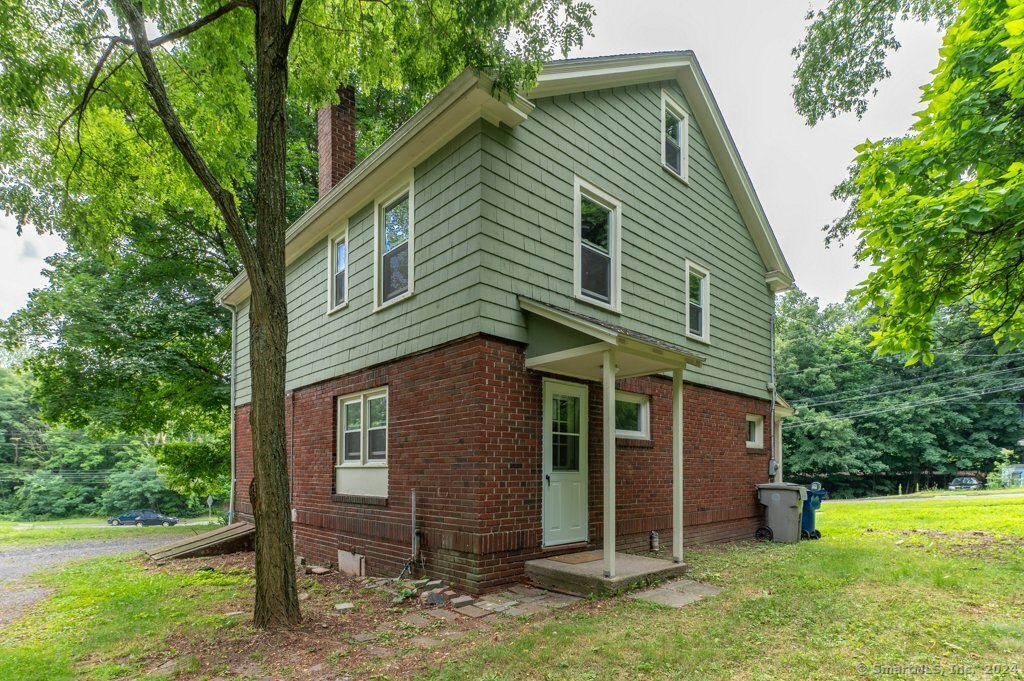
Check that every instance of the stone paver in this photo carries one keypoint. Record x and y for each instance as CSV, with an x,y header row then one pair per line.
x,y
677,594
364,638
473,611
446,615
423,641
527,591
416,620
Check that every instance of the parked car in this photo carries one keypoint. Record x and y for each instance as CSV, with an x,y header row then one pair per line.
x,y
142,517
965,482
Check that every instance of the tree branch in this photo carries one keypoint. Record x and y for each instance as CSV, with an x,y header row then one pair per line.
x,y
293,20
222,198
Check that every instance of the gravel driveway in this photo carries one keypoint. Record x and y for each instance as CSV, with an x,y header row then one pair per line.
x,y
18,562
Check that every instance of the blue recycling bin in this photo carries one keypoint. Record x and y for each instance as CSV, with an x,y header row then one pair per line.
x,y
815,495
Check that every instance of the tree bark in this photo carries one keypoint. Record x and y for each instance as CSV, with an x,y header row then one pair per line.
x,y
277,602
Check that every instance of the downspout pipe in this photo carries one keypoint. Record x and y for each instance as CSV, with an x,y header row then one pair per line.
x,y
234,372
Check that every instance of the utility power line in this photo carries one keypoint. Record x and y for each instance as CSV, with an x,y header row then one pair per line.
x,y
871,393
908,405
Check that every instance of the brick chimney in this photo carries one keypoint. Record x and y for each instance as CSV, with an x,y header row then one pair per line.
x,y
336,139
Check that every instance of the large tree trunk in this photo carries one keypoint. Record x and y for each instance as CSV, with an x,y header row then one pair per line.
x,y
277,602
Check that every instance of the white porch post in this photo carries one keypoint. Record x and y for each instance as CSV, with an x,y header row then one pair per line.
x,y
608,421
677,465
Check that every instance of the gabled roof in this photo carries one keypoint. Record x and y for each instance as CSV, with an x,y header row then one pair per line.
x,y
468,98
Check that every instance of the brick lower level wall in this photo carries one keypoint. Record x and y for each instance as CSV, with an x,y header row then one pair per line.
x,y
465,431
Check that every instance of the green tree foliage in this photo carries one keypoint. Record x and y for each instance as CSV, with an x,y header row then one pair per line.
x,y
103,120
936,214
842,57
868,423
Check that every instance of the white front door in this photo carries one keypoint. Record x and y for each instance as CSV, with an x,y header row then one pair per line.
x,y
565,463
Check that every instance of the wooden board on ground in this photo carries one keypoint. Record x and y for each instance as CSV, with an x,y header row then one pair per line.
x,y
227,539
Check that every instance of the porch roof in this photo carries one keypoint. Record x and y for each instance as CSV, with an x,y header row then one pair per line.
x,y
572,344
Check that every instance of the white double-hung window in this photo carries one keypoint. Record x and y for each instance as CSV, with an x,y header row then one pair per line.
x,y
675,137
362,443
337,287
597,219
698,302
393,238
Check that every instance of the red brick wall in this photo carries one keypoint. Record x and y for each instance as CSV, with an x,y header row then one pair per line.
x,y
336,139
465,432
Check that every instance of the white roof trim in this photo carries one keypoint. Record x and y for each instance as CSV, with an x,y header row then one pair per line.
x,y
578,75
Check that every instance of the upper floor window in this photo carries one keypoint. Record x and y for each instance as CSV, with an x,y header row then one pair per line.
x,y
338,285
597,218
363,429
675,137
698,297
393,265
632,416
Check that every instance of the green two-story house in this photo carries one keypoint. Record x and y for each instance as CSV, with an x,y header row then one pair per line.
x,y
468,303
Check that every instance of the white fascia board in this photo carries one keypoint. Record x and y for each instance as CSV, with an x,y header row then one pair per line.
x,y
467,98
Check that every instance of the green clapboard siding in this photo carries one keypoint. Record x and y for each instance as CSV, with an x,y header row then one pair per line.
x,y
612,139
493,221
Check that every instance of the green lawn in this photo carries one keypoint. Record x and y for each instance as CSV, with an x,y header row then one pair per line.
x,y
937,583
811,610
106,614
49,532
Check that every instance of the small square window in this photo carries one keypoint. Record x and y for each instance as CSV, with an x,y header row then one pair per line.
x,y
675,136
632,416
363,429
597,237
755,431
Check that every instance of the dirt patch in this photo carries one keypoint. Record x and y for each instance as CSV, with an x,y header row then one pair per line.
x,y
377,637
971,544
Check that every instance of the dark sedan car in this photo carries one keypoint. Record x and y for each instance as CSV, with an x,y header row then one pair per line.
x,y
965,482
143,517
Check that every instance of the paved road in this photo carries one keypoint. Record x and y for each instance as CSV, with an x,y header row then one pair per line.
x,y
938,496
18,562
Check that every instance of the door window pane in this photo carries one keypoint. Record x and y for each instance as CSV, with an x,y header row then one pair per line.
x,y
565,433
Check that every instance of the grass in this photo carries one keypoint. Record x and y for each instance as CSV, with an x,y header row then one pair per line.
x,y
810,610
935,583
20,534
106,615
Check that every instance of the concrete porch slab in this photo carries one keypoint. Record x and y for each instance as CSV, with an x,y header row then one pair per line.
x,y
588,578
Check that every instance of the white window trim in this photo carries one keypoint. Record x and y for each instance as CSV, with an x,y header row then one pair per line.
x,y
580,188
361,397
339,236
668,103
378,224
701,271
758,441
645,416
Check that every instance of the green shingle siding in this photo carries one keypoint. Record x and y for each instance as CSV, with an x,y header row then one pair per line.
x,y
493,221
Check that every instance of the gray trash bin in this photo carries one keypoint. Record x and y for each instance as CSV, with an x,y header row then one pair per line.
x,y
783,505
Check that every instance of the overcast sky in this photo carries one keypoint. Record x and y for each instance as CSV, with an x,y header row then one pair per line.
x,y
744,49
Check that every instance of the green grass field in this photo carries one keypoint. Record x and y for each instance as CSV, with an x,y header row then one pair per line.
x,y
903,587
54,531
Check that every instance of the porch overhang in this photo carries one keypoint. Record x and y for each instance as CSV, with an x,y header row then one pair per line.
x,y
570,344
